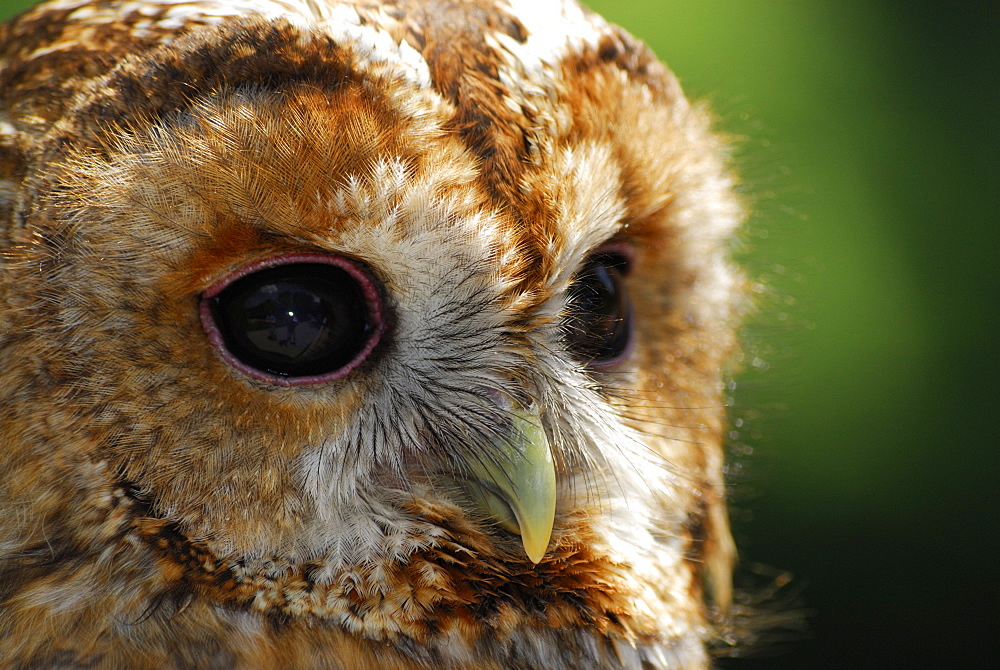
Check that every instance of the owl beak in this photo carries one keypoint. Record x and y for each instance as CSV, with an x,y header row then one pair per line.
x,y
517,488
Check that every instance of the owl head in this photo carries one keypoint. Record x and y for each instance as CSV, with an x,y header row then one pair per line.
x,y
356,334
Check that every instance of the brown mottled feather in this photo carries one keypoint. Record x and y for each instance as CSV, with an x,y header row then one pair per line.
x,y
164,509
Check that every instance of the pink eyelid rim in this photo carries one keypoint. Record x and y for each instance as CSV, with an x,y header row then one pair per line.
x,y
368,289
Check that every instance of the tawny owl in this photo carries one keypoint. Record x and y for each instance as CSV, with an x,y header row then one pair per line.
x,y
358,334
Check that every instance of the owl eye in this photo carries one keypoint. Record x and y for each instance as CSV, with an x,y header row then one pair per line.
x,y
598,324
300,319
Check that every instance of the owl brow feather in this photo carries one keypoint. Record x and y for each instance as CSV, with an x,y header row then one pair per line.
x,y
84,168
249,198
157,143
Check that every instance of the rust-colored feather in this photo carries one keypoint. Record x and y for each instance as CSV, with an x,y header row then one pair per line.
x,y
469,170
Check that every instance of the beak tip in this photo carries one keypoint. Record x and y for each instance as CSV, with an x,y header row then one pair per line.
x,y
534,557
518,491
536,547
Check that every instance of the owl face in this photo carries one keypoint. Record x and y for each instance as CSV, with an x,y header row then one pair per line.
x,y
349,331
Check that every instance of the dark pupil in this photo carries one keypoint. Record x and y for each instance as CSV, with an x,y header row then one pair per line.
x,y
294,320
598,323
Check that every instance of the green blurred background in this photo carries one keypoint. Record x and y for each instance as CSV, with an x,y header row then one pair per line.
x,y
865,460
866,463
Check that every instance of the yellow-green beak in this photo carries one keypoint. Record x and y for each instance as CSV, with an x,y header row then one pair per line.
x,y
517,486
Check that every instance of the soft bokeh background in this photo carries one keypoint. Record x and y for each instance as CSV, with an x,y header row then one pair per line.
x,y
866,459
868,142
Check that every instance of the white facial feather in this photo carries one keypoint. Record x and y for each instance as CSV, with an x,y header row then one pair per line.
x,y
469,191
